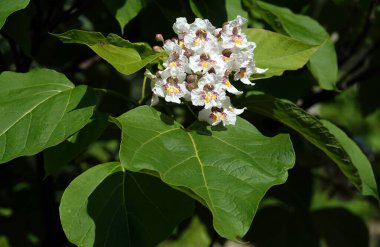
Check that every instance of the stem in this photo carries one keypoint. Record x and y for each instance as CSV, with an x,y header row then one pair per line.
x,y
114,93
191,110
143,91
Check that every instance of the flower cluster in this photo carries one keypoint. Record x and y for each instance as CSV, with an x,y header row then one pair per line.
x,y
200,67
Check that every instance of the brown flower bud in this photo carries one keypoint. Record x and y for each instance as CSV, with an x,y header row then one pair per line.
x,y
157,48
191,78
190,86
159,37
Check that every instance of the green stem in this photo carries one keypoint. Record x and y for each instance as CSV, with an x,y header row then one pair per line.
x,y
143,91
191,110
114,93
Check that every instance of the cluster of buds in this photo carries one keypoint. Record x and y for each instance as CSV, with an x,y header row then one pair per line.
x,y
201,64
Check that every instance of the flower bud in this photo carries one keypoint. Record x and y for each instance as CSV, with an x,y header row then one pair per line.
x,y
159,37
191,78
157,48
190,86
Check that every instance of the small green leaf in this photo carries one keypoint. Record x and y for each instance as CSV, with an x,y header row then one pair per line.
x,y
228,169
361,162
7,7
323,64
277,52
121,54
194,235
124,10
58,156
40,109
106,206
323,135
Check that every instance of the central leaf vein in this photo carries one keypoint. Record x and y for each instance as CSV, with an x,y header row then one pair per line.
x,y
202,170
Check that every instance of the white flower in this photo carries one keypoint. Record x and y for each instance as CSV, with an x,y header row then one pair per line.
x,y
225,114
232,34
171,85
228,86
199,66
176,58
200,36
181,26
202,63
209,93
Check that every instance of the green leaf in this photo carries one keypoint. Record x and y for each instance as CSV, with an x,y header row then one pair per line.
x,y
124,10
228,169
234,8
7,7
40,109
322,135
194,235
323,64
58,156
121,54
217,11
106,206
277,52
360,161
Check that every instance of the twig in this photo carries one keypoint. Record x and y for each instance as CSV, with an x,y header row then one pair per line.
x,y
143,91
191,110
370,19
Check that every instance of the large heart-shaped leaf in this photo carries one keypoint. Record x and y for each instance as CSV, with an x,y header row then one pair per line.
x,y
124,10
40,109
123,55
327,137
8,7
323,64
277,52
106,206
227,169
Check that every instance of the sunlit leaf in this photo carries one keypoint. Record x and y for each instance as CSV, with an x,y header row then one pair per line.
x,y
277,52
106,206
227,169
323,64
7,7
122,55
40,109
124,10
194,235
